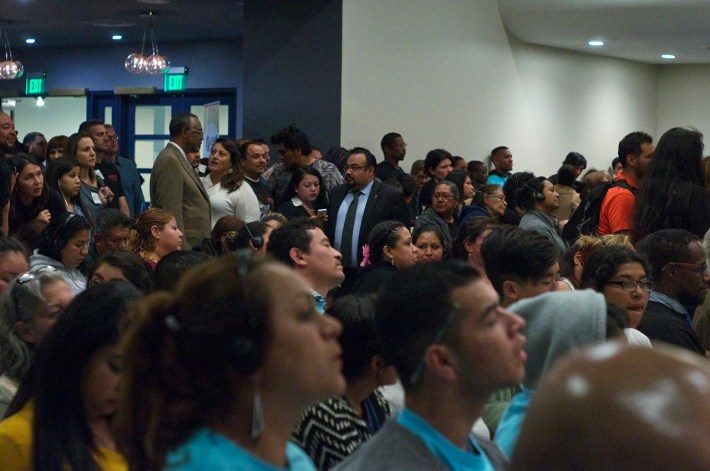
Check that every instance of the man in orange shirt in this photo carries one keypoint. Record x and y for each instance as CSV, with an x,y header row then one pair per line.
x,y
616,213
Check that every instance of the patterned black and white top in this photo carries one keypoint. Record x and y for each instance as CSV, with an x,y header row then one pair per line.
x,y
331,430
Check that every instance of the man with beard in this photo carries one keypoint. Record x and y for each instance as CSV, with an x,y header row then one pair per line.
x,y
175,186
357,206
8,137
616,212
394,148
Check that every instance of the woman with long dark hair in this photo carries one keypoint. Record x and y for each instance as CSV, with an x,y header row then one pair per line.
x,y
62,416
93,192
31,198
672,194
224,184
63,177
305,195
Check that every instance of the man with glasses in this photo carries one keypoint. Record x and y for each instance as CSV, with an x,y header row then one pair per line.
x,y
443,212
357,206
130,177
175,186
452,344
111,232
681,279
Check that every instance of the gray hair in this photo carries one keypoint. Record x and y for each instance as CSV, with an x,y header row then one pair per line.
x,y
21,302
452,186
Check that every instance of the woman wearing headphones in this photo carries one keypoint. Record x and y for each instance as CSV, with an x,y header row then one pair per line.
x,y
539,198
63,246
218,373
156,236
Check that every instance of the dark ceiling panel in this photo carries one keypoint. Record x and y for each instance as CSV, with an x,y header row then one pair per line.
x,y
56,23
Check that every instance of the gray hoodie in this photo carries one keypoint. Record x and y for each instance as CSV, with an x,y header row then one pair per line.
x,y
74,278
557,323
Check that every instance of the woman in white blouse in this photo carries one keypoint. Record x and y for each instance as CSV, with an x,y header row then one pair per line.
x,y
228,196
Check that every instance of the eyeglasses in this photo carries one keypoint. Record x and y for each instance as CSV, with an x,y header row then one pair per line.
x,y
15,291
347,167
701,268
498,197
197,131
25,278
442,196
112,138
630,285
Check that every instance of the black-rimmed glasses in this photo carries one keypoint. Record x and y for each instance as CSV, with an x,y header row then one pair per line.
x,y
630,285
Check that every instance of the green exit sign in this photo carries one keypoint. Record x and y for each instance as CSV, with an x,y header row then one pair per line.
x,y
36,84
175,79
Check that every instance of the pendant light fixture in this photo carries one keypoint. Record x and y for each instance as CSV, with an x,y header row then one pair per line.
x,y
137,63
9,68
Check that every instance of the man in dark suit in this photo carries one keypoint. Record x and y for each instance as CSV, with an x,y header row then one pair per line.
x,y
174,184
681,279
375,202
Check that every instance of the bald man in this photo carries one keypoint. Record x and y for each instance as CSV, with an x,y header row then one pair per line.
x,y
620,407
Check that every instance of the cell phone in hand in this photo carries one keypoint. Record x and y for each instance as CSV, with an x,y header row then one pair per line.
x,y
322,212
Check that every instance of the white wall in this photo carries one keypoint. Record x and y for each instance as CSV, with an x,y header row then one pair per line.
x,y
59,115
450,77
684,99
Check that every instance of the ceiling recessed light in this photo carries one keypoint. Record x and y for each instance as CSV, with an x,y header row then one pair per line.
x,y
116,37
30,40
596,43
668,56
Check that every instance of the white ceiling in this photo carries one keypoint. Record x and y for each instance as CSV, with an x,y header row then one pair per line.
x,y
639,30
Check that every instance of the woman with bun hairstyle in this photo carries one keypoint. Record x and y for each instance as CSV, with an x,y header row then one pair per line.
x,y
389,248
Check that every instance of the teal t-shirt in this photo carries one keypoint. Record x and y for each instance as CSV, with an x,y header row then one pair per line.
x,y
207,449
448,453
